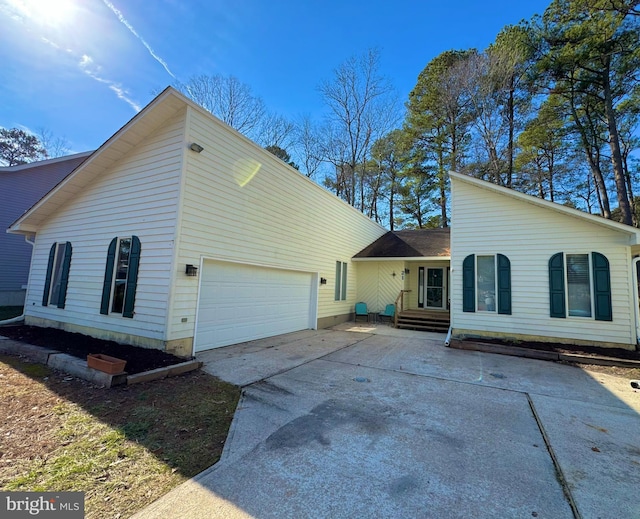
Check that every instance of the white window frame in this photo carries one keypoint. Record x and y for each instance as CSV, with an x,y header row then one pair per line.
x,y
566,285
340,288
56,272
115,275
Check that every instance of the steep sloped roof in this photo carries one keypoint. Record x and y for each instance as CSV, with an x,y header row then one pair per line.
x,y
418,243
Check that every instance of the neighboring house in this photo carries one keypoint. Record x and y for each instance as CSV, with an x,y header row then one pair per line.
x,y
21,187
177,192
529,269
181,234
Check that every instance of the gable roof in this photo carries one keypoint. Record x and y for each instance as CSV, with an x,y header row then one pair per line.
x,y
165,105
632,232
409,244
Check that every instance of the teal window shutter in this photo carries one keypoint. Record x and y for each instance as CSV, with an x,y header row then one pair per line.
x,y
504,285
338,285
47,279
601,287
108,277
557,303
132,277
64,279
469,284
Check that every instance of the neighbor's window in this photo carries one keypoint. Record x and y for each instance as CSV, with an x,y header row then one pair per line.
x,y
57,277
580,286
341,281
121,276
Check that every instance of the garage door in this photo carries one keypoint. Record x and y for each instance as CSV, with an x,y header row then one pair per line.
x,y
240,303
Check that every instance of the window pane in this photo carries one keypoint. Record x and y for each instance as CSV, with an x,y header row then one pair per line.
x,y
578,285
486,283
122,270
57,274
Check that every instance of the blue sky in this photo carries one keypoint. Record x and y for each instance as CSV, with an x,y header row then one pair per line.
x,y
82,68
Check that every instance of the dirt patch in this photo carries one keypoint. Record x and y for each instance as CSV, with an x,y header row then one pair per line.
x,y
79,345
124,448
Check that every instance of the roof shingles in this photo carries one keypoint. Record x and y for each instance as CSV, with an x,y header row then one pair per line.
x,y
416,243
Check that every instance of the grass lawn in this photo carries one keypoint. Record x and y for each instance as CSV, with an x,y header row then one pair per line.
x,y
7,312
124,447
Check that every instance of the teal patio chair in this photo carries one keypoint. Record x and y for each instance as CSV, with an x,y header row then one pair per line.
x,y
389,311
361,311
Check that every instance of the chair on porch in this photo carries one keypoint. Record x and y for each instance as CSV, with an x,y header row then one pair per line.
x,y
389,311
361,311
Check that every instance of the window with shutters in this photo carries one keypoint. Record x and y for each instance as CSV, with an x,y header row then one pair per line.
x,y
57,276
121,276
580,286
486,284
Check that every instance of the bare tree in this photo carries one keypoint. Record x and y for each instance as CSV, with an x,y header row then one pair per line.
x,y
308,146
362,108
227,98
275,130
55,146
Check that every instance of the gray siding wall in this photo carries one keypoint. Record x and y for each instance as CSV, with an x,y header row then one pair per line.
x,y
20,188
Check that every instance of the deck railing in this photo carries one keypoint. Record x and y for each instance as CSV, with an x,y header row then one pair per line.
x,y
400,298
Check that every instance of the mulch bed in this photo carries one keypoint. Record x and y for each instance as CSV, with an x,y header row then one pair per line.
x,y
79,345
588,351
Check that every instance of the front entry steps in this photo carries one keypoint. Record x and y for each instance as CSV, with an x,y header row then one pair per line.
x,y
424,320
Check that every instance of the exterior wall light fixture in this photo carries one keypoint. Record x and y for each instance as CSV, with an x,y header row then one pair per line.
x,y
196,147
191,270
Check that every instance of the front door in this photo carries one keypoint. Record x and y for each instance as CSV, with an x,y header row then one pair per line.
x,y
432,288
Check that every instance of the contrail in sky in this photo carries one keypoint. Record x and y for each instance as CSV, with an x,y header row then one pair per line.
x,y
124,22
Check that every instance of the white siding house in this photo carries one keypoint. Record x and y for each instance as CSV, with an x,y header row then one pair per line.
x,y
265,240
488,220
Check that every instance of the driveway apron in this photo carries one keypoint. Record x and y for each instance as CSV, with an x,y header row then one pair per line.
x,y
368,425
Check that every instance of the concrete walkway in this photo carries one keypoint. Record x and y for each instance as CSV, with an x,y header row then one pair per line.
x,y
378,422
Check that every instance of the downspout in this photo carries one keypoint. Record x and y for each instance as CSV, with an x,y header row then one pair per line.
x,y
447,339
21,316
634,276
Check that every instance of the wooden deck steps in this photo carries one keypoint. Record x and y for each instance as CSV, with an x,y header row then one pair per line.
x,y
425,320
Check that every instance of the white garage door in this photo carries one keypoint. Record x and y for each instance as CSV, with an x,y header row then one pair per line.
x,y
240,303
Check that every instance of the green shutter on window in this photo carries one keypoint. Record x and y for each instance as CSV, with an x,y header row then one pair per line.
x,y
108,277
504,285
64,278
338,284
601,287
132,277
557,305
47,279
469,284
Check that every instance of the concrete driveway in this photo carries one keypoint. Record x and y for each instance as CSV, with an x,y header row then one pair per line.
x,y
359,422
